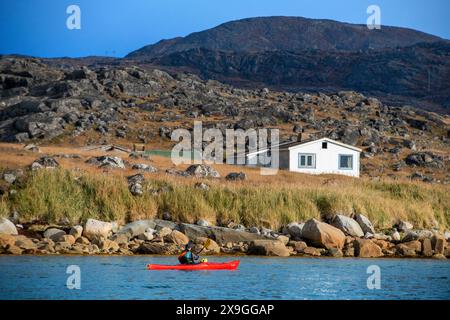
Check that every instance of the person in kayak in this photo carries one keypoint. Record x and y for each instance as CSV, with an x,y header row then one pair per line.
x,y
187,256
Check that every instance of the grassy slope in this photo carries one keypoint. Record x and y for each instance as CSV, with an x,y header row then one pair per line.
x,y
50,195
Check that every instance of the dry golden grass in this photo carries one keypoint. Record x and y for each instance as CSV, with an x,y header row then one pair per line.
x,y
85,191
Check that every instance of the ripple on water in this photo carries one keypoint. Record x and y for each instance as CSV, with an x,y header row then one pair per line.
x,y
33,277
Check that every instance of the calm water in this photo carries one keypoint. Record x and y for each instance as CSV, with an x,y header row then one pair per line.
x,y
31,277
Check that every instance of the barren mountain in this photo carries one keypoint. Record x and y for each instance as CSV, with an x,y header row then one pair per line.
x,y
287,33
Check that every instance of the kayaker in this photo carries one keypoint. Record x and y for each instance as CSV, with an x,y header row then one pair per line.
x,y
187,256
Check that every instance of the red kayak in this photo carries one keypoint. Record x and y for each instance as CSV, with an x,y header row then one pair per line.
x,y
232,265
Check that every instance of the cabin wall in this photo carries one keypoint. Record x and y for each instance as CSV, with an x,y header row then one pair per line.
x,y
326,160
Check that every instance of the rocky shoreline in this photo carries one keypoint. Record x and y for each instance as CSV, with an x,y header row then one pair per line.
x,y
343,237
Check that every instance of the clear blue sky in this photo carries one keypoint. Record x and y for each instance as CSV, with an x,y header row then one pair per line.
x,y
116,27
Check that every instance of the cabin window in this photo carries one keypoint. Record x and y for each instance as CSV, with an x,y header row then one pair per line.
x,y
345,162
306,160
324,145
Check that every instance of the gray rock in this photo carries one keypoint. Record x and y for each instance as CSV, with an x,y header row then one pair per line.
x,y
235,176
203,223
96,228
54,234
219,234
107,162
44,163
404,226
9,177
76,231
7,227
144,167
295,229
365,223
137,228
202,170
348,225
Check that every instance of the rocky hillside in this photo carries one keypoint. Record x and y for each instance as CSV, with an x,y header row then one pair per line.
x,y
396,65
56,102
286,34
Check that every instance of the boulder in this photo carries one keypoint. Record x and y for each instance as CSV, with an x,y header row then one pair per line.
x,y
365,223
76,231
83,240
268,248
298,246
203,223
44,163
157,248
283,239
404,226
108,245
213,247
148,235
411,235
202,170
96,228
67,238
294,229
311,251
365,248
136,228
6,239
54,233
395,236
7,227
13,249
163,232
235,176
427,249
9,177
323,235
107,162
25,244
177,237
335,252
405,251
144,167
438,243
219,234
348,226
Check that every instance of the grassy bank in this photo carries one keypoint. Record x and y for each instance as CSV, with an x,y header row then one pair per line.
x,y
51,195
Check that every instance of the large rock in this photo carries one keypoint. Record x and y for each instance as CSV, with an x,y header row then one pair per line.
x,y
213,247
268,248
427,249
202,170
54,233
235,176
107,162
348,226
157,248
6,240
44,163
177,237
323,235
365,224
136,228
365,248
96,228
438,242
76,231
7,227
404,226
219,234
294,229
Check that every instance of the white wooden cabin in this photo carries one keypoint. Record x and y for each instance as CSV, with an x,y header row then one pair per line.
x,y
322,156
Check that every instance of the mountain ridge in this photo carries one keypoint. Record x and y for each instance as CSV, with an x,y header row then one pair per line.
x,y
286,33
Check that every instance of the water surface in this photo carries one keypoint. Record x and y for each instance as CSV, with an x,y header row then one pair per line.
x,y
126,277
